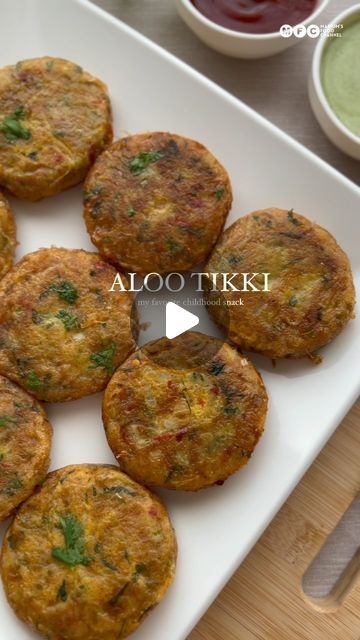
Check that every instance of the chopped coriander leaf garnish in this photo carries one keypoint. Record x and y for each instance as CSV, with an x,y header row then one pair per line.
x,y
172,244
198,377
139,569
292,218
230,410
293,301
292,235
93,192
13,487
175,471
104,359
120,489
217,368
219,193
62,593
96,208
12,542
73,552
108,564
191,230
234,260
65,290
115,599
37,318
6,421
131,212
217,444
69,321
105,561
33,155
142,161
12,128
32,380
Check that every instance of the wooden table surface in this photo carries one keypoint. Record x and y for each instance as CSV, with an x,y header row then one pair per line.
x,y
263,601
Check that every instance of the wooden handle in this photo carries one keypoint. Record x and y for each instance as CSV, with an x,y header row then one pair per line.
x,y
264,600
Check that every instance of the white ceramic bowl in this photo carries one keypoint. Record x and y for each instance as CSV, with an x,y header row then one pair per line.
x,y
238,44
336,131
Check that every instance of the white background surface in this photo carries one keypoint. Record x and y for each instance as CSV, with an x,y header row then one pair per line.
x,y
217,527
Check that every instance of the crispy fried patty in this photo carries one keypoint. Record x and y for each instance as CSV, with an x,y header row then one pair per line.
x,y
62,333
89,555
7,236
311,295
54,121
177,419
25,441
156,202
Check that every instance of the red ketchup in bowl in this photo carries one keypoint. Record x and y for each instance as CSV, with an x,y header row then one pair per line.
x,y
255,16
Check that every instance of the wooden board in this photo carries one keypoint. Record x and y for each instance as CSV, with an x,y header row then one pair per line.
x,y
264,599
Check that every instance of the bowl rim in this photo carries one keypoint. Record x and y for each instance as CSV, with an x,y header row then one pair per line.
x,y
242,35
316,74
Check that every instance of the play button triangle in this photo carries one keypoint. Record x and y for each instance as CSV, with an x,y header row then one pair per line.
x,y
178,320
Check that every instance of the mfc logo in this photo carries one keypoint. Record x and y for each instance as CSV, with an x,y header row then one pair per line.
x,y
300,31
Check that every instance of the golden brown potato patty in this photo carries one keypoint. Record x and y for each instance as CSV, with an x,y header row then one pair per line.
x,y
55,119
177,419
7,236
25,440
156,202
62,333
88,555
311,295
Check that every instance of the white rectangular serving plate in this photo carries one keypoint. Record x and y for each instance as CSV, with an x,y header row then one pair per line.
x,y
150,89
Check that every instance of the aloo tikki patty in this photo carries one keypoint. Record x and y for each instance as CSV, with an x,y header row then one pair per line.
x,y
184,413
311,296
62,333
25,441
7,236
55,119
156,202
88,556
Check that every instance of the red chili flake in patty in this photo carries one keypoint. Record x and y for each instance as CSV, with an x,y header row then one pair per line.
x,y
197,204
180,434
101,266
215,390
153,512
163,437
25,77
201,402
58,158
170,384
257,434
